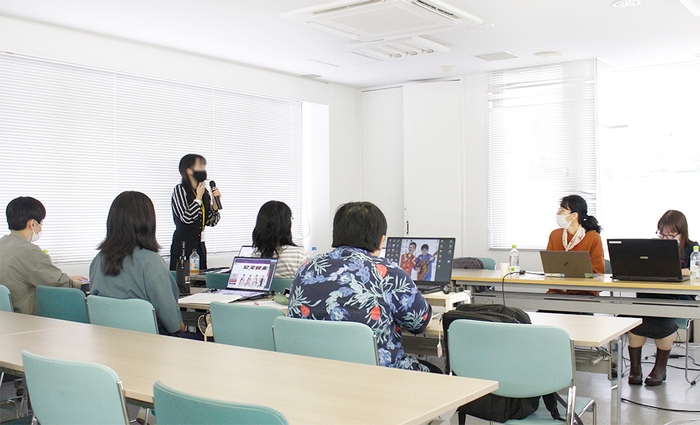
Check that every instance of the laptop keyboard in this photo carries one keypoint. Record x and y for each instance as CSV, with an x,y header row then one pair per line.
x,y
428,289
243,294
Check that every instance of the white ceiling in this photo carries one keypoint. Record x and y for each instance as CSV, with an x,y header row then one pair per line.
x,y
252,32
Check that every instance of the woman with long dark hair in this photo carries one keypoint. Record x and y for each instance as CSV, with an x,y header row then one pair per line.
x,y
192,210
272,238
128,264
671,225
577,231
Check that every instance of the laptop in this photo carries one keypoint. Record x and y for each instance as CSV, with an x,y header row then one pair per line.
x,y
576,264
250,278
246,251
427,260
656,260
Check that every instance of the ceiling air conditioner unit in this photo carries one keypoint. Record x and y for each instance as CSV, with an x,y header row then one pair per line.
x,y
371,20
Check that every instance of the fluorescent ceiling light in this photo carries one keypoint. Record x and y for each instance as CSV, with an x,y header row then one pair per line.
x,y
692,5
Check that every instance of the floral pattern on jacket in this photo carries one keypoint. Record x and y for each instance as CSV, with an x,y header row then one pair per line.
x,y
350,284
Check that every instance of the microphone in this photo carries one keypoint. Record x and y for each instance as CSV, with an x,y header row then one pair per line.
x,y
217,199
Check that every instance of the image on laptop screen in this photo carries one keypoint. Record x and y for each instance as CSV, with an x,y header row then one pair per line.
x,y
424,259
252,274
246,251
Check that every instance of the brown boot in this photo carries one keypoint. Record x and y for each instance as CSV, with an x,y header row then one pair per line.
x,y
635,376
658,373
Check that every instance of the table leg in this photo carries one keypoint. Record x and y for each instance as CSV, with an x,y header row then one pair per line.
x,y
614,375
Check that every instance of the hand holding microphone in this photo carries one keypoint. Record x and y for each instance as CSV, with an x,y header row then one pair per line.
x,y
216,194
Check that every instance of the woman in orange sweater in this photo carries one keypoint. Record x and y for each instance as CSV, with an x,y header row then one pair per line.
x,y
577,231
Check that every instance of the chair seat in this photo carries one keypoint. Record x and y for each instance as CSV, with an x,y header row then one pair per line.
x,y
543,417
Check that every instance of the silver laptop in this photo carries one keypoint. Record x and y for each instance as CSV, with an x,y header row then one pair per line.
x,y
576,264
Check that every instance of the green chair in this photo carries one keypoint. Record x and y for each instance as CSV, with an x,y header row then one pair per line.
x,y
62,303
279,285
130,314
686,325
5,299
244,325
174,274
68,392
489,263
216,280
177,408
345,341
526,360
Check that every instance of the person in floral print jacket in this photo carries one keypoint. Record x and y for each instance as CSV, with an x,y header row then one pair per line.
x,y
351,283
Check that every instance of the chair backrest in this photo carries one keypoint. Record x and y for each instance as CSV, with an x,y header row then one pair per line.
x,y
526,360
131,314
489,263
279,285
177,408
68,392
62,303
216,280
608,267
5,299
345,341
174,274
244,325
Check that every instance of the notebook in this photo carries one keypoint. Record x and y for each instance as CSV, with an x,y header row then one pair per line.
x,y
656,260
250,278
567,263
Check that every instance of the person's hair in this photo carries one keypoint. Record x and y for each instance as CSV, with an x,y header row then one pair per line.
x,y
676,221
131,223
424,246
359,225
186,162
577,204
273,228
20,210
412,243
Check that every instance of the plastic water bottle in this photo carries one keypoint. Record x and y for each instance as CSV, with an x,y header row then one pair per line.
x,y
194,263
514,260
314,252
695,265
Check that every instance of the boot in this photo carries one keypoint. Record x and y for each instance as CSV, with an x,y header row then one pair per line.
x,y
658,373
635,376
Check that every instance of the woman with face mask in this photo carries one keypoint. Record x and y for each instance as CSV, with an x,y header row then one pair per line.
x,y
192,210
577,231
672,225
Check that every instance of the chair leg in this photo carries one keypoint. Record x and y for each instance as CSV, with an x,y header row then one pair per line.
x,y
570,405
687,354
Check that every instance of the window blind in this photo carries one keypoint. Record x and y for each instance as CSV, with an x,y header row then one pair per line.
x,y
542,145
75,137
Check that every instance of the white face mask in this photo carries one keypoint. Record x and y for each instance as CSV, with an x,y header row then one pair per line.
x,y
562,222
36,236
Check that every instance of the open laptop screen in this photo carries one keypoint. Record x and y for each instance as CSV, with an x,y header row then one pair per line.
x,y
424,259
252,274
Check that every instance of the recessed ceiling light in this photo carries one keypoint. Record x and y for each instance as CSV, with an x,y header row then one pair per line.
x,y
497,56
550,54
626,3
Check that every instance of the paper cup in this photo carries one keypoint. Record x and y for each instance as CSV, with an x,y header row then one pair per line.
x,y
505,268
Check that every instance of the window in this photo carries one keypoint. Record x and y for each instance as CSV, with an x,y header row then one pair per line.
x,y
650,149
75,137
542,145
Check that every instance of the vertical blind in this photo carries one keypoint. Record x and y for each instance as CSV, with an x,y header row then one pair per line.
x,y
542,145
75,137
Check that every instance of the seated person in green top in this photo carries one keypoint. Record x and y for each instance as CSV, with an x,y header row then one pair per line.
x,y
128,264
23,265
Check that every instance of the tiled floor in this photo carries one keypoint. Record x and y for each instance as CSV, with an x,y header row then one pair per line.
x,y
676,393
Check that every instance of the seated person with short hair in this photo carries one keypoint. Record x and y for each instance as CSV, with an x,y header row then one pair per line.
x,y
23,265
128,264
351,283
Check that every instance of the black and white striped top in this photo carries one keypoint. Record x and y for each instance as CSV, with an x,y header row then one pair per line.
x,y
189,212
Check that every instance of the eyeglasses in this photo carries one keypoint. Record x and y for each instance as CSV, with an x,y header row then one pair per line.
x,y
665,236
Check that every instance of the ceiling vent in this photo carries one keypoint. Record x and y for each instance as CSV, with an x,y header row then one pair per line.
x,y
372,20
498,56
397,48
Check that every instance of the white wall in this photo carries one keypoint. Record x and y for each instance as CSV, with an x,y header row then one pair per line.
x,y
382,154
338,152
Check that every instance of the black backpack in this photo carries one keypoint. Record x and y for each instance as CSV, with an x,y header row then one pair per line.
x,y
492,407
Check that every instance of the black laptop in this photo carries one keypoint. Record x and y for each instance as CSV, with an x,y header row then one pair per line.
x,y
427,260
655,260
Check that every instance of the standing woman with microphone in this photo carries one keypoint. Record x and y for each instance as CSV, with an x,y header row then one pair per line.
x,y
193,210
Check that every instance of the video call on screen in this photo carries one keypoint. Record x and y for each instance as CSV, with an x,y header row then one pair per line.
x,y
424,259
249,274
